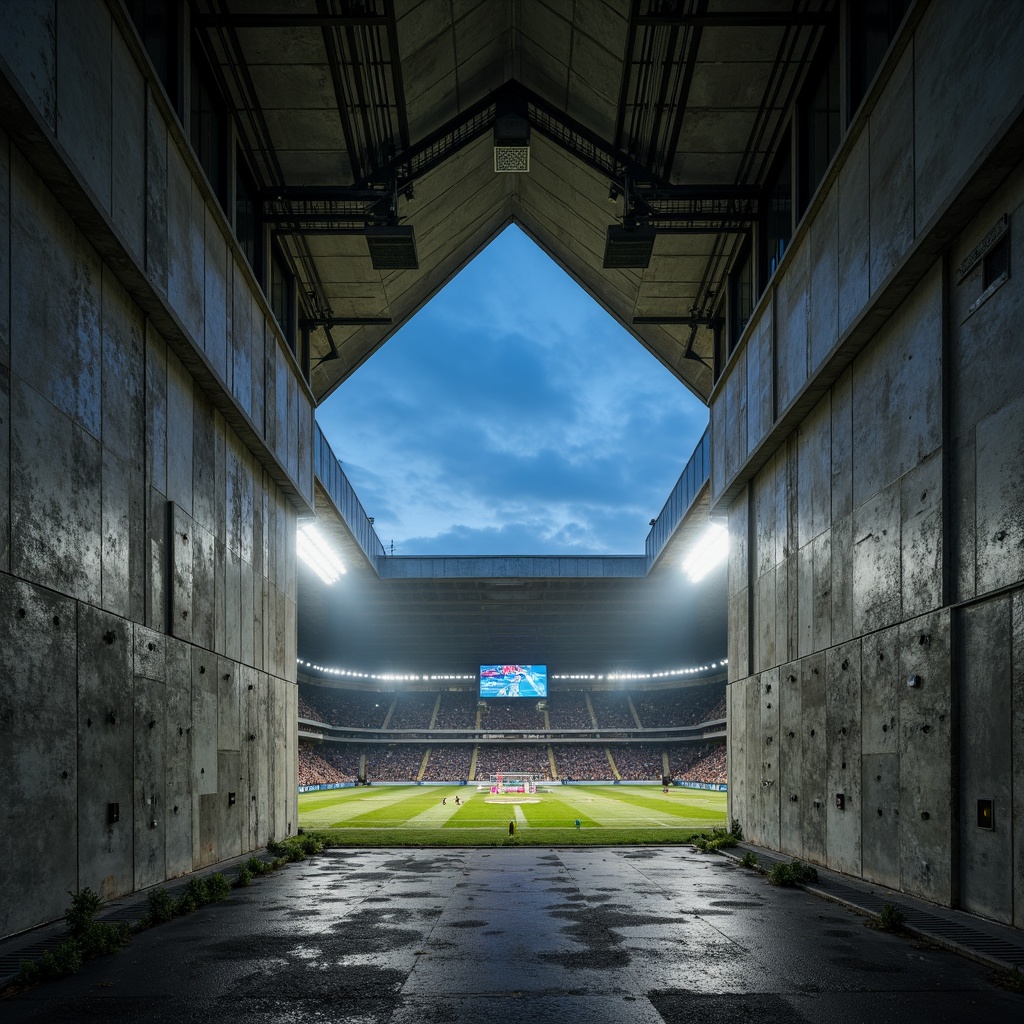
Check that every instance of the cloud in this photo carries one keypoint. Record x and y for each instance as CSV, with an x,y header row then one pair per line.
x,y
512,415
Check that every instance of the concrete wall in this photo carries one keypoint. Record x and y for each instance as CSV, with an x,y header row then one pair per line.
x,y
155,450
867,444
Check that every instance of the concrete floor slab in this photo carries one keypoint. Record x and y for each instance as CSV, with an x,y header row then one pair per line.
x,y
652,935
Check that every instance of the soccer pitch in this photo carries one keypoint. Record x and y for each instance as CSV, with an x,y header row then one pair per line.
x,y
429,816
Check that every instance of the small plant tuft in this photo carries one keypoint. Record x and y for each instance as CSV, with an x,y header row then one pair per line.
x,y
711,842
81,914
793,873
161,907
891,918
750,860
217,888
736,830
244,878
65,958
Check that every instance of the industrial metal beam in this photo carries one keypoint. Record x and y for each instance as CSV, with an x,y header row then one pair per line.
x,y
738,19
228,20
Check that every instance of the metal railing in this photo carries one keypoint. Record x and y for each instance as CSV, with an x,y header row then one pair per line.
x,y
332,477
694,476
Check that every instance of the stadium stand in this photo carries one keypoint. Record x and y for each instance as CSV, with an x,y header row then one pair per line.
x,y
511,713
568,710
582,761
639,761
399,762
350,708
520,757
457,711
612,710
449,762
413,711
680,707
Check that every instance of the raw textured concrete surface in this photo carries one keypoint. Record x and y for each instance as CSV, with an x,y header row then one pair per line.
x,y
645,935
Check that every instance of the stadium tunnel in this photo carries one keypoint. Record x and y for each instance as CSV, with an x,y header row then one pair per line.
x,y
212,212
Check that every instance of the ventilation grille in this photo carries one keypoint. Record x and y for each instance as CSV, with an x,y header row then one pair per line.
x,y
997,262
512,159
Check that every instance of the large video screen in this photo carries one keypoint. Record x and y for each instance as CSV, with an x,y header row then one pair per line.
x,y
513,680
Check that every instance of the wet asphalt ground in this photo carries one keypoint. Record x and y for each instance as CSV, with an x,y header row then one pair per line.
x,y
584,936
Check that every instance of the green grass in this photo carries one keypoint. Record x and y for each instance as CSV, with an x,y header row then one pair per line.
x,y
415,816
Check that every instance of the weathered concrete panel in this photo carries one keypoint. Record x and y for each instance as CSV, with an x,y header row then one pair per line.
x,y
755,761
986,758
158,533
880,819
83,88
790,755
926,758
842,446
921,531
5,244
963,488
128,148
843,726
768,694
983,41
116,579
824,287
228,714
232,820
205,692
821,604
897,382
814,501
877,586
150,781
765,611
205,497
247,615
182,541
760,405
841,552
49,246
180,433
813,789
805,599
208,819
880,692
56,466
736,426
240,341
28,44
105,753
1017,866
203,593
5,469
233,606
791,296
156,195
186,224
215,265
853,219
891,193
178,787
735,754
39,793
1000,498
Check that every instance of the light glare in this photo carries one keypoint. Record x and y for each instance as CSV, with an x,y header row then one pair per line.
x,y
317,554
710,550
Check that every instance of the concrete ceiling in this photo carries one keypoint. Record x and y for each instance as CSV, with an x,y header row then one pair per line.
x,y
676,93
340,97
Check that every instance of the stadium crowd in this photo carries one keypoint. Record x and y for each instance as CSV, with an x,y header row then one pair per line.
x,y
568,710
612,710
689,705
511,713
413,711
521,757
458,710
450,762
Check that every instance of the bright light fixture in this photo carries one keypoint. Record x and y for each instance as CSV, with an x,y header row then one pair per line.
x,y
317,554
709,551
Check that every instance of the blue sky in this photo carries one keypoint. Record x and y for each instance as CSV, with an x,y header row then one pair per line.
x,y
512,415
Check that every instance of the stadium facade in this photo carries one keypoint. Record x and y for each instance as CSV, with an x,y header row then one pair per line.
x,y
212,212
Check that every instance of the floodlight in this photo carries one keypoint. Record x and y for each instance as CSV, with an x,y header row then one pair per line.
x,y
392,247
628,248
512,144
317,554
710,550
